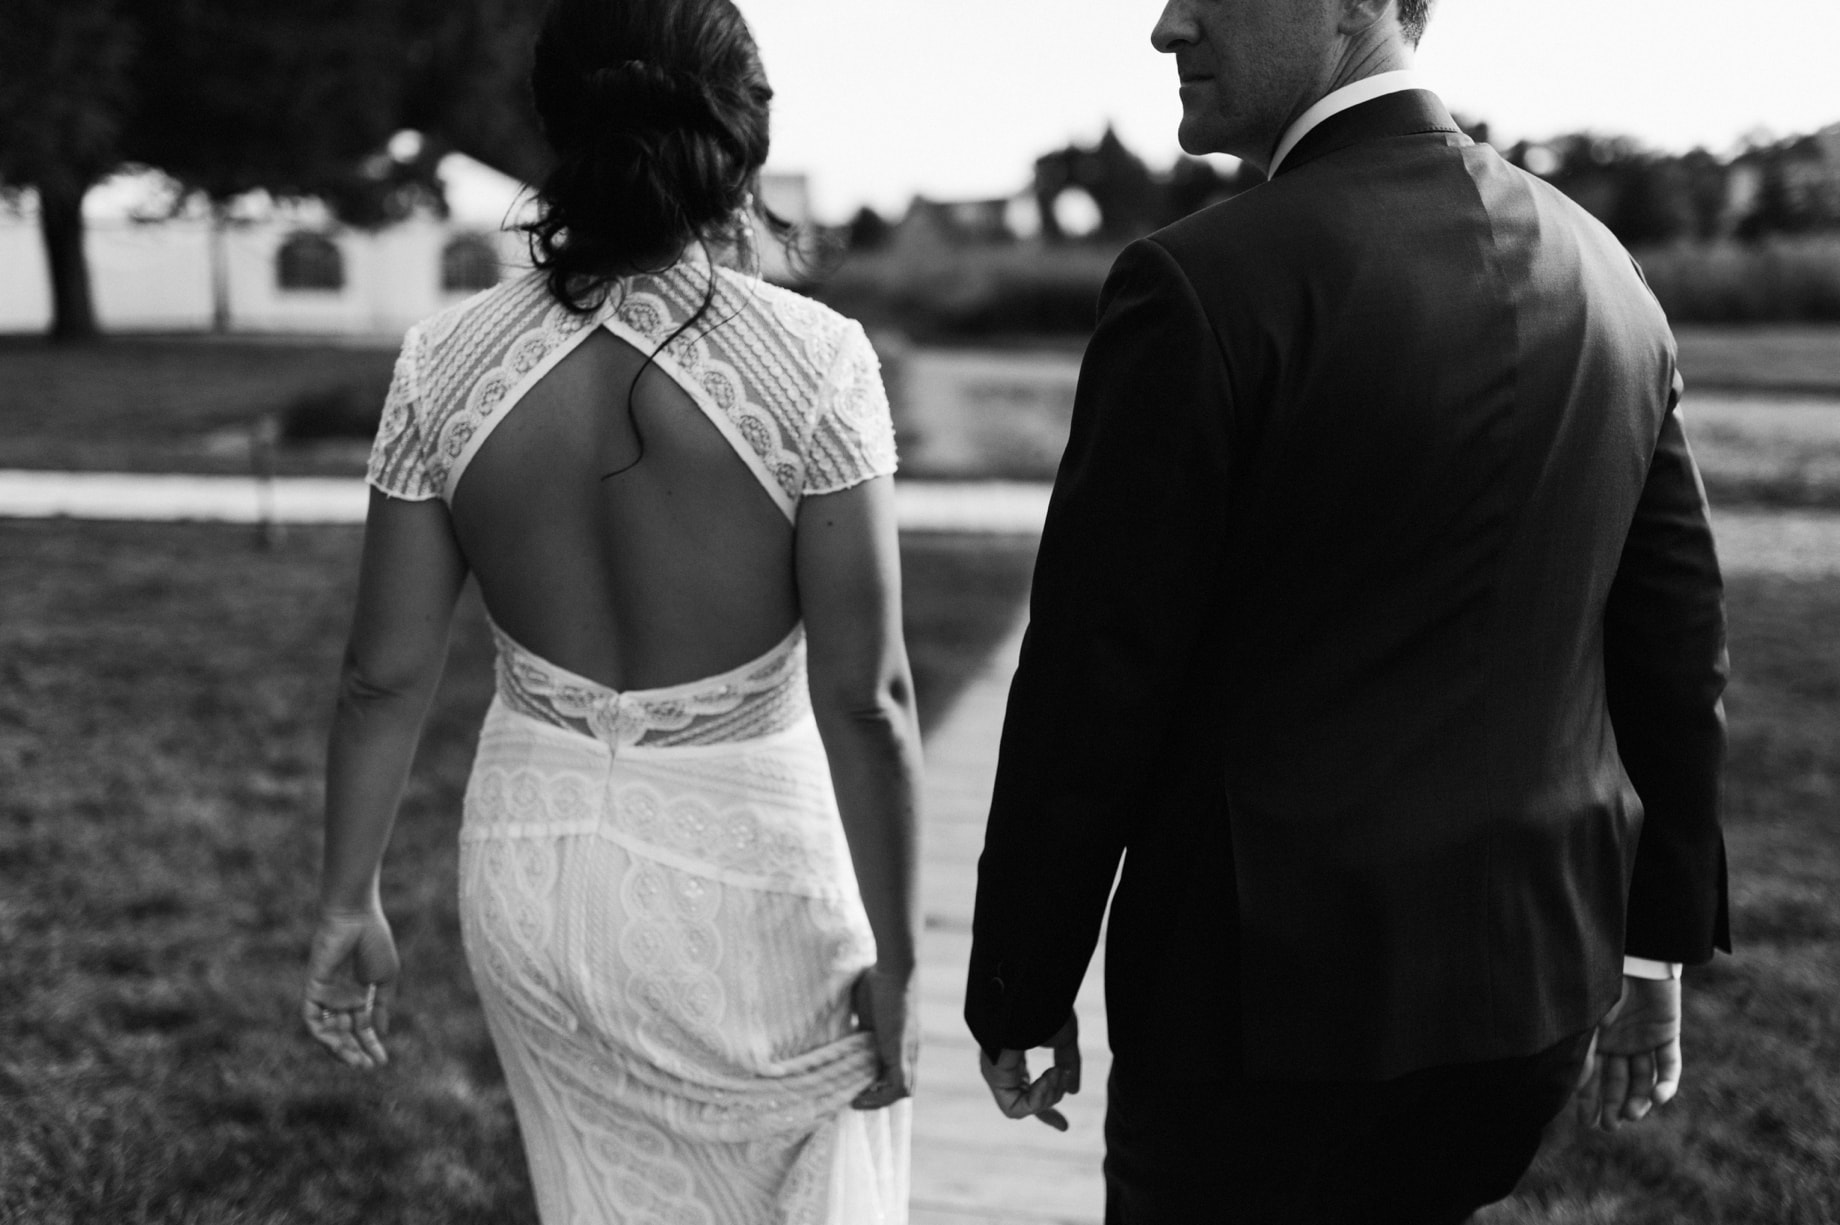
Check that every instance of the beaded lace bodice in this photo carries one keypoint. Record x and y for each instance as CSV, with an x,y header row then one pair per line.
x,y
794,386
759,698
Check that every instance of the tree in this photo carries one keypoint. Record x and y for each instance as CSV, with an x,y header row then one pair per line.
x,y
467,66
868,230
1115,178
64,88
295,97
1708,192
1191,184
1653,203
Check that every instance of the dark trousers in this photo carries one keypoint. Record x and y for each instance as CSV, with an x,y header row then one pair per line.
x,y
1426,1149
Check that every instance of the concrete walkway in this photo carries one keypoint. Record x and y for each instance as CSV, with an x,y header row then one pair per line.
x,y
972,1166
1800,543
943,506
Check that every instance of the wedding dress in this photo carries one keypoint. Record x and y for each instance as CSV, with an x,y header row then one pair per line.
x,y
656,896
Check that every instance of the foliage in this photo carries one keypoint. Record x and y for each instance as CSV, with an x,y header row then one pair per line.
x,y
1776,280
65,81
1642,197
1132,200
941,291
295,97
868,231
465,66
1649,198
348,410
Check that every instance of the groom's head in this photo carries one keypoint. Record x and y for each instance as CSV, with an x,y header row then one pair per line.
x,y
1249,67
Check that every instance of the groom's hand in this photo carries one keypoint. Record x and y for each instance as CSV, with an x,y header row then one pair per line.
x,y
1634,1062
1017,1097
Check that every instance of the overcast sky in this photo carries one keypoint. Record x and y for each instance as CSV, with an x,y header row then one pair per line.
x,y
881,99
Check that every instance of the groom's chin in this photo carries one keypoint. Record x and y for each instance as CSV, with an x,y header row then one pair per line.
x,y
1193,136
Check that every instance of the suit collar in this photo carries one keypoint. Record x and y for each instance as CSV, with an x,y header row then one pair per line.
x,y
1409,113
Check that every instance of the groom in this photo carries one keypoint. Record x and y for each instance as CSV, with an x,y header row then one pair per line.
x,y
1377,625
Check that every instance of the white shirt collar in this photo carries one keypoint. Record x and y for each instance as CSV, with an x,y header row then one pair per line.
x,y
1336,101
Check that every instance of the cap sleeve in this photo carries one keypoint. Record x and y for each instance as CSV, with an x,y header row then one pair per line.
x,y
852,436
399,457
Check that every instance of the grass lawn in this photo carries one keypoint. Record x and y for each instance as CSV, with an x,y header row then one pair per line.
x,y
1755,1136
1796,358
173,403
164,692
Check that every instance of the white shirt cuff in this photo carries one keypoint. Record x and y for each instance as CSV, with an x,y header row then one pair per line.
x,y
1642,967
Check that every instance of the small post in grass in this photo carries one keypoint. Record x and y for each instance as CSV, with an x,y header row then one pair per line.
x,y
264,436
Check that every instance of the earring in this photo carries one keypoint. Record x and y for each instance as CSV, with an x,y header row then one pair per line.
x,y
747,245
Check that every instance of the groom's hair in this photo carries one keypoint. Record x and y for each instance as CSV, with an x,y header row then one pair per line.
x,y
1413,14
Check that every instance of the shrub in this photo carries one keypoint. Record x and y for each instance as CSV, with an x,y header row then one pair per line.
x,y
937,291
1781,280
343,410
943,292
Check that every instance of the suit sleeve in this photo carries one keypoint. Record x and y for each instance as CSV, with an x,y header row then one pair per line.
x,y
1665,669
1130,562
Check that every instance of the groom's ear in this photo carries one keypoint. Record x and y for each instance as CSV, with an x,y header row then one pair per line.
x,y
1359,16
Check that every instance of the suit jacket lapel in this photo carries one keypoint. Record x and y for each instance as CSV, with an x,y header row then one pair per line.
x,y
1408,113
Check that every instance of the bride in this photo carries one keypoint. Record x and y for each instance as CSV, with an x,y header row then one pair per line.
x,y
688,845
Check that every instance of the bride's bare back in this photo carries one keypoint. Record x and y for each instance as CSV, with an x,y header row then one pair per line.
x,y
638,559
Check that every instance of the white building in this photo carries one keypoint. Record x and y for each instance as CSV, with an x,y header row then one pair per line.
x,y
291,268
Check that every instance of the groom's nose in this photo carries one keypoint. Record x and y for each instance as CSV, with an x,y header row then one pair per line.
x,y
1175,29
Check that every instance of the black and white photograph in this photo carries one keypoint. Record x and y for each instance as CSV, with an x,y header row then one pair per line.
x,y
837,612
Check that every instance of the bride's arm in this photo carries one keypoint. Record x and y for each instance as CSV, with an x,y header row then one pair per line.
x,y
408,583
849,576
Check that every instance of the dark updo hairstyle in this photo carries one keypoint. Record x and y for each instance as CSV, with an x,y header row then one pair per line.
x,y
657,112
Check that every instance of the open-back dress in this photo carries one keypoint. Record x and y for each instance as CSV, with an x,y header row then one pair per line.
x,y
656,896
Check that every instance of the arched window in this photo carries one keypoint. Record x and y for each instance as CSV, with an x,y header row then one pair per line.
x,y
469,263
310,262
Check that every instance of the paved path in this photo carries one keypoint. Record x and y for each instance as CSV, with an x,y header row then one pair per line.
x,y
972,1166
1800,543
932,506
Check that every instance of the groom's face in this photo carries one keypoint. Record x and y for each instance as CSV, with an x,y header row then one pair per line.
x,y
1247,68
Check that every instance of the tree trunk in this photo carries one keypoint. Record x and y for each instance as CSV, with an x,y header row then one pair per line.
x,y
60,218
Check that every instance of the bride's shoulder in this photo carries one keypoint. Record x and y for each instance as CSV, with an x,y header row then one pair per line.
x,y
804,316
513,305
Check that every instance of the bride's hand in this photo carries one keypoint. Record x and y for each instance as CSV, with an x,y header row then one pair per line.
x,y
351,981
886,1004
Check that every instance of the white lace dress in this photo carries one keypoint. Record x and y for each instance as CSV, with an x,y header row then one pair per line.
x,y
656,896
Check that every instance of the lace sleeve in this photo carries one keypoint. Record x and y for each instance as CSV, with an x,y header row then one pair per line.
x,y
852,436
399,456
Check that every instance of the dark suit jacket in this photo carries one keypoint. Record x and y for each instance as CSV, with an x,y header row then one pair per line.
x,y
1376,606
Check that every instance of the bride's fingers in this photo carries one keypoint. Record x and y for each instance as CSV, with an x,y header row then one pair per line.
x,y
332,1029
364,1031
351,1032
885,1091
